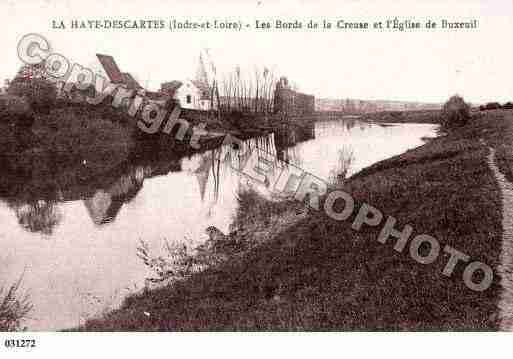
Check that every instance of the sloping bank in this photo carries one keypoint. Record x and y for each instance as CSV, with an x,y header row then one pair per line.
x,y
322,275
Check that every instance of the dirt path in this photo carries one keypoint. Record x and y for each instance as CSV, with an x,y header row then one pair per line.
x,y
505,270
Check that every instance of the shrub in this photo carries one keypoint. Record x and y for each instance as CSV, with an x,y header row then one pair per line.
x,y
455,112
239,119
75,136
492,106
15,110
508,106
179,262
13,308
40,94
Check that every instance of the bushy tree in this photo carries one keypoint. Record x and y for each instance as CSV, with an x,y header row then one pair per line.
x,y
15,110
455,112
41,94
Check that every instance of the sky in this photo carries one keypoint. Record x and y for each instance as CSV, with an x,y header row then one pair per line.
x,y
420,65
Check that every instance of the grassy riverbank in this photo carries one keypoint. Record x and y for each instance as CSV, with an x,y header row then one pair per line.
x,y
321,275
65,146
419,116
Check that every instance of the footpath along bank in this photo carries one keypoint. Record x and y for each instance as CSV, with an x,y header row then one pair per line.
x,y
320,274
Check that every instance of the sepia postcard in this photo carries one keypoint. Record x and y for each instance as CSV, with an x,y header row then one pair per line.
x,y
254,166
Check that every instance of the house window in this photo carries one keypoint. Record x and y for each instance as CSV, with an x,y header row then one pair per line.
x,y
189,99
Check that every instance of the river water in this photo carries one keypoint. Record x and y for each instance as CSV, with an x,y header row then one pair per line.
x,y
77,255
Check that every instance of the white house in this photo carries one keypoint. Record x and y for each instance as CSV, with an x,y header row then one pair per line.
x,y
191,94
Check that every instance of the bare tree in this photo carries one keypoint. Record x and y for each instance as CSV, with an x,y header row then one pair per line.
x,y
250,92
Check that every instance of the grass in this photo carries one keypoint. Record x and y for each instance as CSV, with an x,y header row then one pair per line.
x,y
319,274
339,173
13,308
419,116
257,220
503,144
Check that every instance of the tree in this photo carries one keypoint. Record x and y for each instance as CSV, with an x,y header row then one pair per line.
x,y
32,83
455,112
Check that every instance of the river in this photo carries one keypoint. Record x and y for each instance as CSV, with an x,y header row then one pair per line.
x,y
76,253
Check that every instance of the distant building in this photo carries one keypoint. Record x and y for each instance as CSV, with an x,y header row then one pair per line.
x,y
192,94
111,69
112,72
366,106
130,82
291,102
189,93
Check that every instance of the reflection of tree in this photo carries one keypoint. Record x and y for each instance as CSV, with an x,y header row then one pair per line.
x,y
105,204
209,167
202,174
34,187
215,164
287,137
40,216
122,185
34,184
209,171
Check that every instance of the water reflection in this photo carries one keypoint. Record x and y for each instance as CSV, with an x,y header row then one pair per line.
x,y
286,138
35,198
92,228
40,216
105,204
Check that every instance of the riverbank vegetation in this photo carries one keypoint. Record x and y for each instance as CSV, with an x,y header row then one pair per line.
x,y
420,116
68,145
283,267
44,133
14,307
319,274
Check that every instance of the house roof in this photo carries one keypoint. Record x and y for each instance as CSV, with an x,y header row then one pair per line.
x,y
170,87
156,96
111,68
131,83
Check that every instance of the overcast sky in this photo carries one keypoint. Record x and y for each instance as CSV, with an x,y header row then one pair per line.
x,y
417,65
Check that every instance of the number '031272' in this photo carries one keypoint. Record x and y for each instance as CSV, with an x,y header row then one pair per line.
x,y
20,343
